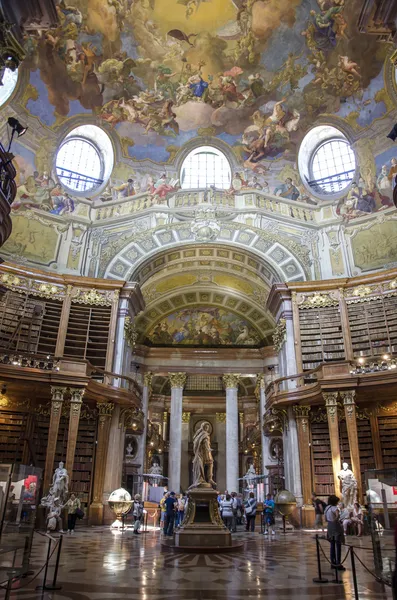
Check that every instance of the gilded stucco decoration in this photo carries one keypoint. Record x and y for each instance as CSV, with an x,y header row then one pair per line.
x,y
317,300
94,297
280,335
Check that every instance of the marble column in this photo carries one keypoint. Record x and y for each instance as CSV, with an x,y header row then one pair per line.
x,y
76,400
105,410
292,472
261,385
221,456
114,461
146,392
177,381
57,396
230,381
303,428
185,451
331,404
348,397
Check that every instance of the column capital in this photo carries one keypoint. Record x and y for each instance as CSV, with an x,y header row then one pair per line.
x,y
147,379
186,417
231,380
331,398
105,409
331,404
260,381
76,395
177,380
301,411
348,397
58,393
221,417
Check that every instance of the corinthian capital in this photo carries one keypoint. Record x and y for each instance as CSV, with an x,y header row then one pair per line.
x,y
331,398
231,380
348,397
177,380
301,411
76,395
58,393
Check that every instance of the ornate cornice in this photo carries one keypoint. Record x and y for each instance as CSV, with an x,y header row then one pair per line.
x,y
177,380
318,300
231,380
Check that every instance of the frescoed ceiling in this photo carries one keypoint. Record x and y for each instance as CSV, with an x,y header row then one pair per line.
x,y
256,73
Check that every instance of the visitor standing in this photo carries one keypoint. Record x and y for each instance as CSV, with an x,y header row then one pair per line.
x,y
250,512
269,507
227,511
319,508
334,532
73,505
234,509
181,510
170,509
137,513
162,508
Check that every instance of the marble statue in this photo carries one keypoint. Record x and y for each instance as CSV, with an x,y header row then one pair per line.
x,y
202,458
349,485
59,488
250,475
157,470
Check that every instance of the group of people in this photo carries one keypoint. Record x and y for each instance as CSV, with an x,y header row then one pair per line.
x,y
54,518
172,509
338,517
233,509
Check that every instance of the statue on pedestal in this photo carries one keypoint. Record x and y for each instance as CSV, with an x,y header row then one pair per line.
x,y
349,485
250,475
155,469
59,489
202,458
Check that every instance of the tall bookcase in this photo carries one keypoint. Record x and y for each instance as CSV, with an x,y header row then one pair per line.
x,y
321,459
40,438
321,336
344,442
83,467
366,447
388,440
12,427
373,326
88,333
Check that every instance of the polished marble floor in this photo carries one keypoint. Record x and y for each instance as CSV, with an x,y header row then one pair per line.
x,y
97,564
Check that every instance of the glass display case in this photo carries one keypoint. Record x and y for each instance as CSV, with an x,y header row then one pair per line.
x,y
19,499
381,502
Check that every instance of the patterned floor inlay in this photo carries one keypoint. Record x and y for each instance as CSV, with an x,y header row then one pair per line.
x,y
111,566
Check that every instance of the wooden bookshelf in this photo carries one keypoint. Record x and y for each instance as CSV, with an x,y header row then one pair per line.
x,y
40,438
321,459
12,426
344,443
50,327
366,447
88,333
388,440
83,467
321,336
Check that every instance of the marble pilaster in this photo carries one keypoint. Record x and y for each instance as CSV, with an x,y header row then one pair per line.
x,y
292,471
348,398
177,381
231,381
76,401
331,404
146,391
105,410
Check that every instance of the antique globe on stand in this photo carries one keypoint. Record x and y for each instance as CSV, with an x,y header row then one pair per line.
x,y
285,503
120,502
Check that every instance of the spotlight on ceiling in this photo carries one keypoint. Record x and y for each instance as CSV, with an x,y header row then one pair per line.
x,y
17,128
393,134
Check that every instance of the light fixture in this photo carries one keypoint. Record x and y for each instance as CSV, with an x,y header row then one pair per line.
x,y
385,357
16,128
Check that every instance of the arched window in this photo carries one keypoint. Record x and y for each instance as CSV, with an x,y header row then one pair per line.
x,y
84,160
333,166
9,81
204,167
327,162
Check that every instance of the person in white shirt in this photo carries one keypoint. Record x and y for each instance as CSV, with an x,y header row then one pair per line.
x,y
357,518
334,532
227,511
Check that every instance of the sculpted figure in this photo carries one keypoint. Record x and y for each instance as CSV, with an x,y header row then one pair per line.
x,y
202,457
349,485
155,469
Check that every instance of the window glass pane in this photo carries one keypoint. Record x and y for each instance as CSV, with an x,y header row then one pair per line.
x,y
333,167
78,165
205,167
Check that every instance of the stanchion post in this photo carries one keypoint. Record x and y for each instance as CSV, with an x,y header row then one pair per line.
x,y
42,587
353,563
54,581
320,578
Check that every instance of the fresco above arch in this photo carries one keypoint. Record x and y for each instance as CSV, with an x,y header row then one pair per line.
x,y
255,73
204,326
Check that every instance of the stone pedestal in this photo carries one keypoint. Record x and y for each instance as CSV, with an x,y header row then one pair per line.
x,y
203,527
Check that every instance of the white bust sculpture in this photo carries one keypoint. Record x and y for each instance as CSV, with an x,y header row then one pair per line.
x,y
155,469
129,449
349,485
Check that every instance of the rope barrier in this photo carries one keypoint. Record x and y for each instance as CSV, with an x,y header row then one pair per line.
x,y
35,576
